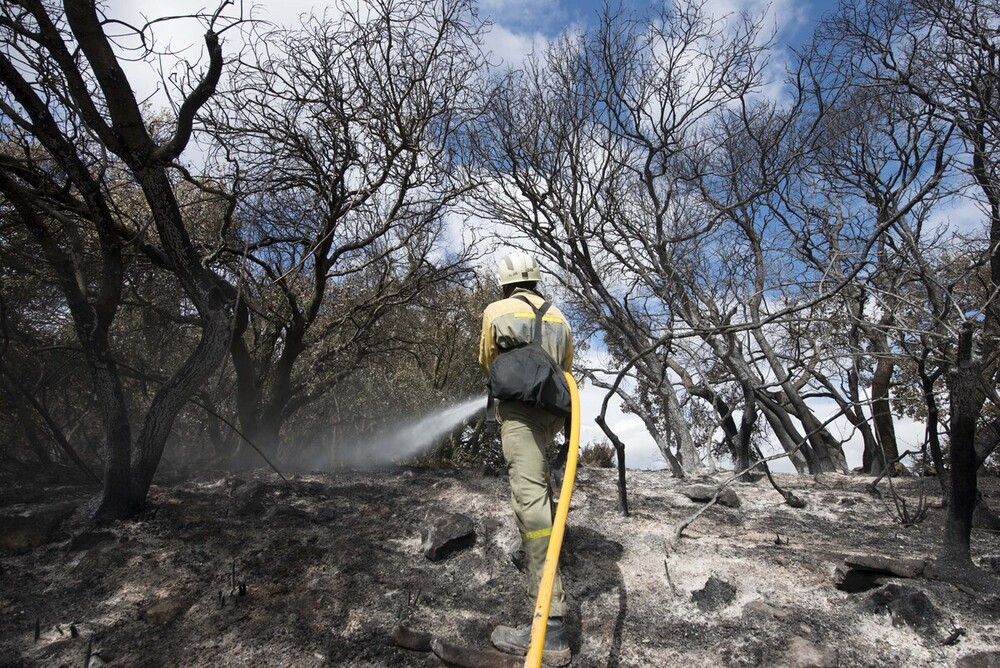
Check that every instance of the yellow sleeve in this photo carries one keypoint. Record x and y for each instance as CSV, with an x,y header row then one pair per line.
x,y
487,346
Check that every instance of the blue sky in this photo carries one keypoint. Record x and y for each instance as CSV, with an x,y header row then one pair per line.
x,y
518,26
520,22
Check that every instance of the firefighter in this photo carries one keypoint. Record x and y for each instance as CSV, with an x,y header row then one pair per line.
x,y
525,433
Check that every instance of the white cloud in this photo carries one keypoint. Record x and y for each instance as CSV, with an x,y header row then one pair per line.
x,y
641,451
508,48
964,215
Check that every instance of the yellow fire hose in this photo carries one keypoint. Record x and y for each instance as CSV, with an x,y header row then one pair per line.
x,y
541,617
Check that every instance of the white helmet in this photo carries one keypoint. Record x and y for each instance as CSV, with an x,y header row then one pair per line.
x,y
518,267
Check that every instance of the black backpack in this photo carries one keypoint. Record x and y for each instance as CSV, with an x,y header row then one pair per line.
x,y
529,374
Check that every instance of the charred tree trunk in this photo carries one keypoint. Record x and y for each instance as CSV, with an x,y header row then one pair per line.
x,y
966,404
927,381
263,393
620,452
747,423
89,94
885,430
798,448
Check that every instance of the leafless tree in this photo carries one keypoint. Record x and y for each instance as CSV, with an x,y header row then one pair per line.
x,y
640,160
75,130
345,137
945,55
861,212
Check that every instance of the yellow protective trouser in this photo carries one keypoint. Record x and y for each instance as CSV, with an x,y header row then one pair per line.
x,y
526,433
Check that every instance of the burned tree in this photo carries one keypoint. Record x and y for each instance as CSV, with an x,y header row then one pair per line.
x,y
638,161
944,57
74,126
345,137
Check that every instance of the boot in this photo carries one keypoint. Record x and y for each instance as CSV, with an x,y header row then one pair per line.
x,y
516,641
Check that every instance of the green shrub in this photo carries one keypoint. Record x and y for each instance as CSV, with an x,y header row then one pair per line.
x,y
600,454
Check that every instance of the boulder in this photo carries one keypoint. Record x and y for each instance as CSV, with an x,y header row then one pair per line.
x,y
715,594
20,533
906,605
805,654
704,493
445,534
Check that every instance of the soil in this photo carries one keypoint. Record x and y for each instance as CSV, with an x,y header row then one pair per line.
x,y
250,571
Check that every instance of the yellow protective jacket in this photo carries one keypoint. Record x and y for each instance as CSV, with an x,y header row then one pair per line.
x,y
510,322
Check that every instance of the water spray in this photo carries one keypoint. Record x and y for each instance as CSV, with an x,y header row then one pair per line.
x,y
405,439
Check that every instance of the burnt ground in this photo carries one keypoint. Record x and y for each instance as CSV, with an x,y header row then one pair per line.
x,y
248,571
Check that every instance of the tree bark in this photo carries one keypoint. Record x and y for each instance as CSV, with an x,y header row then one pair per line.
x,y
885,430
966,403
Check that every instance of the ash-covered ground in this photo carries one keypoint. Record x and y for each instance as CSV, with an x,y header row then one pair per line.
x,y
246,570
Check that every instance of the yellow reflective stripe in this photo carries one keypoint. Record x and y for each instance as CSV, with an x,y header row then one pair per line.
x,y
531,316
541,533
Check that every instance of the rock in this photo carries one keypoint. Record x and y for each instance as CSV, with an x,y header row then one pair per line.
x,y
715,594
805,654
107,654
760,608
445,534
867,571
905,605
38,526
980,660
88,540
704,493
520,560
248,499
728,497
164,610
468,657
854,581
902,568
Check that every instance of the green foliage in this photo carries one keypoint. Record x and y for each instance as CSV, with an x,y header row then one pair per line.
x,y
598,454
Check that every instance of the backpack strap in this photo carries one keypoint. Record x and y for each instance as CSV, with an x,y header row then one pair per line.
x,y
539,312
536,339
